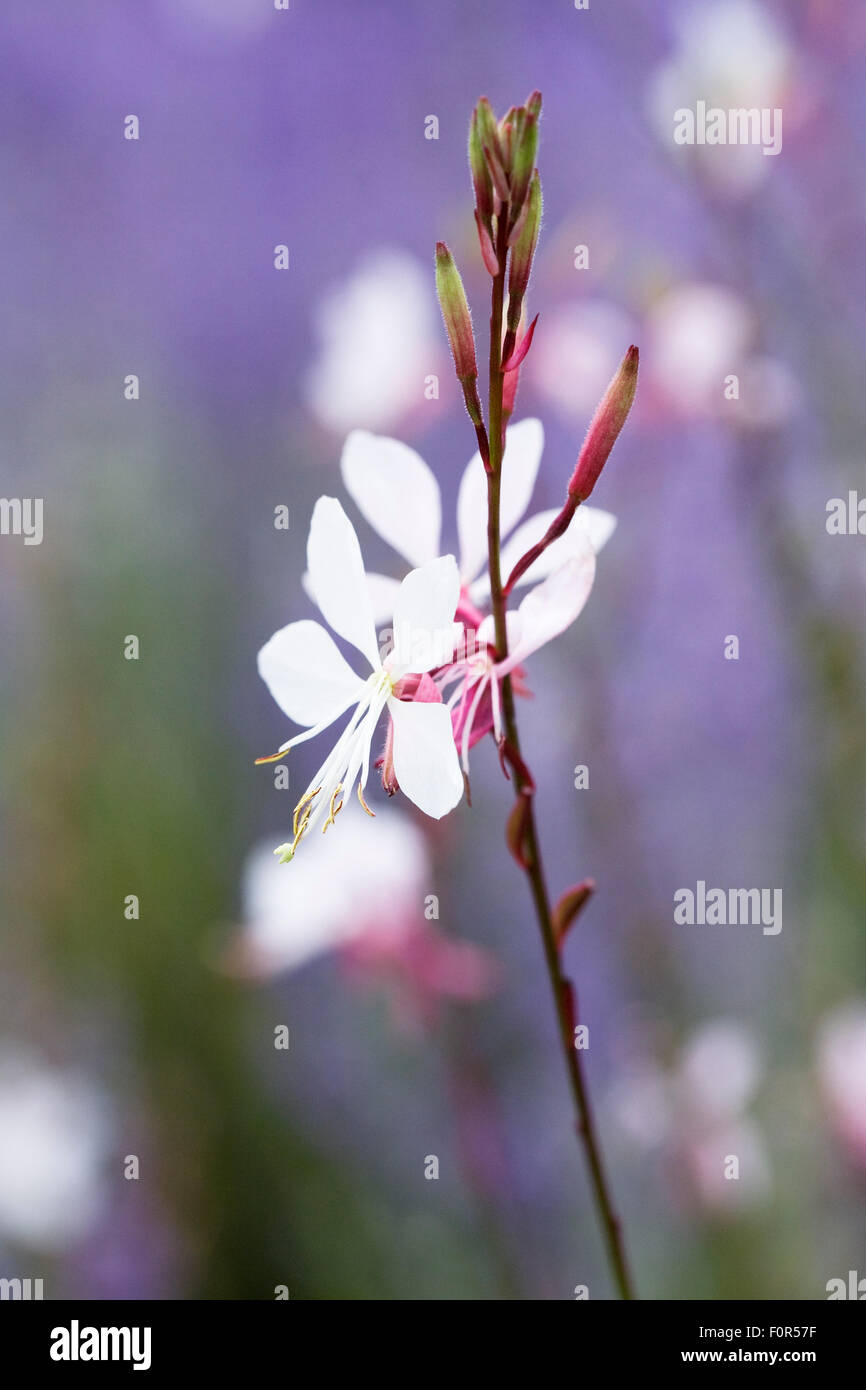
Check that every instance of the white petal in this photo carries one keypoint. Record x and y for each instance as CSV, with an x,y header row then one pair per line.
x,y
381,588
424,617
524,443
425,756
597,525
309,679
297,911
486,633
396,492
337,577
383,592
363,875
553,605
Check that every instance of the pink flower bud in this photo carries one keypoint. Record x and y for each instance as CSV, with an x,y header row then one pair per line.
x,y
497,173
604,429
510,383
488,254
521,349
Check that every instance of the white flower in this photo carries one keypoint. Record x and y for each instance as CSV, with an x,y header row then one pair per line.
x,y
313,684
380,338
696,1112
545,612
363,898
699,332
373,879
730,54
399,496
842,1074
53,1140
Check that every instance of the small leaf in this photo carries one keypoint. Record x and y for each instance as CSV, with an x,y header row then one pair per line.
x,y
515,831
569,906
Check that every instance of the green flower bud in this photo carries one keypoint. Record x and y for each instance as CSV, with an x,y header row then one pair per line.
x,y
522,253
481,180
523,164
455,313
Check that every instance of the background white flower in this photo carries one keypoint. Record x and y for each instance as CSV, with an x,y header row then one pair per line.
x,y
695,332
695,1115
374,875
53,1144
730,54
842,1075
380,338
364,897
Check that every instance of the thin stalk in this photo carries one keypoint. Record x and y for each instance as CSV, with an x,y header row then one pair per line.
x,y
563,996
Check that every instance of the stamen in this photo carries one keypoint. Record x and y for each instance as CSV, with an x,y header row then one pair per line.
x,y
497,712
364,804
305,805
469,722
301,829
273,757
334,811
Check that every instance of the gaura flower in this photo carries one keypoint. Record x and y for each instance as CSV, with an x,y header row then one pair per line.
x,y
313,683
362,899
397,493
546,611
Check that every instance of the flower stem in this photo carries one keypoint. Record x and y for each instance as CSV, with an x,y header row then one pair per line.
x,y
563,996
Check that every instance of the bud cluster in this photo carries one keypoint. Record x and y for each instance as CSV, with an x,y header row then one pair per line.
x,y
507,217
507,203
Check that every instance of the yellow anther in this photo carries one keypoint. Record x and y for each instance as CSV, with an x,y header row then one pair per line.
x,y
334,811
305,805
364,804
302,827
273,757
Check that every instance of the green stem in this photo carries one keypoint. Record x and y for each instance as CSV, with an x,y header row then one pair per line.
x,y
560,985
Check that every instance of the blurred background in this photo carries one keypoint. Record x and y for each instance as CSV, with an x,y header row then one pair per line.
x,y
177,1121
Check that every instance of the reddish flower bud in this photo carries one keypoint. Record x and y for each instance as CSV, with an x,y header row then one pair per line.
x,y
604,428
510,383
488,132
497,173
488,254
516,357
455,313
